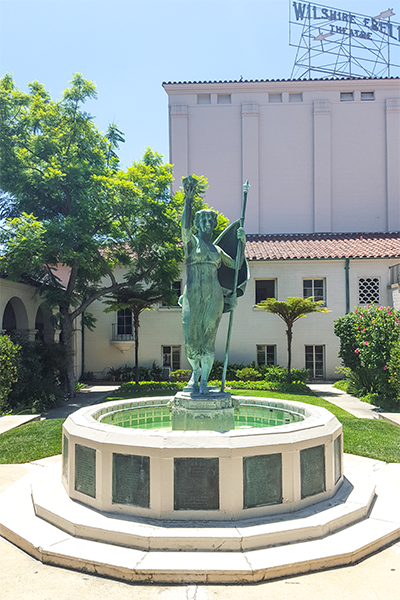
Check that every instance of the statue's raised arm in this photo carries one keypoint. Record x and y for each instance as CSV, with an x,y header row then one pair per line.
x,y
189,187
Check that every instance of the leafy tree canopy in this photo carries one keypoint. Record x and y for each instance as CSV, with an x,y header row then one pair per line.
x,y
66,201
293,309
69,203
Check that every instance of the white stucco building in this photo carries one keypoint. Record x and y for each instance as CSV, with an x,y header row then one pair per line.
x,y
323,215
323,212
321,155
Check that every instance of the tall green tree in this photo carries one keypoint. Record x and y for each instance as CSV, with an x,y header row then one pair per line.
x,y
292,310
137,298
70,205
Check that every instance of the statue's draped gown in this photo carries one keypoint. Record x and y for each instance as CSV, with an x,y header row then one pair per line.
x,y
202,301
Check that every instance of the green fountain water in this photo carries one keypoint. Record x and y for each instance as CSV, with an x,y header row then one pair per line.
x,y
158,416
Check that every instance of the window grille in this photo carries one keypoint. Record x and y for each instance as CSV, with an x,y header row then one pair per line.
x,y
367,95
346,96
203,98
275,98
368,290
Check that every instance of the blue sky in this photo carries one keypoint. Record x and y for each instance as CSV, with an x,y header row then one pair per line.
x,y
129,47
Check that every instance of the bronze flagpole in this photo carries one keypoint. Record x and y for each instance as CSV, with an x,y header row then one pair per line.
x,y
234,292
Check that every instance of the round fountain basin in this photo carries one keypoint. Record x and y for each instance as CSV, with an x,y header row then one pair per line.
x,y
158,416
122,457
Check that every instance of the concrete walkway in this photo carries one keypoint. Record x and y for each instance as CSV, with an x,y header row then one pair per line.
x,y
8,422
85,397
352,405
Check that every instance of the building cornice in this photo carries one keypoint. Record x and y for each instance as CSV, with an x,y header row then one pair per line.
x,y
287,84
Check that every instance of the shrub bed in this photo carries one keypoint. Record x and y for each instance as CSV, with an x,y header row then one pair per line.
x,y
149,386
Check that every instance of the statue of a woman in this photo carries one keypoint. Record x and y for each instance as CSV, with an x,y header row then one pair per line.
x,y
203,297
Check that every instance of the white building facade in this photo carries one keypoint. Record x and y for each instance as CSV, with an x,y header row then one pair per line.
x,y
323,212
320,155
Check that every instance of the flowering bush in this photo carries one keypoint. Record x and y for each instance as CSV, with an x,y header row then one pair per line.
x,y
369,346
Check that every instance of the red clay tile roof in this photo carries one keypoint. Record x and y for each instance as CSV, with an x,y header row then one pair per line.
x,y
323,245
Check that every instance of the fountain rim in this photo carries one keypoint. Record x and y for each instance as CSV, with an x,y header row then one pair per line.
x,y
314,417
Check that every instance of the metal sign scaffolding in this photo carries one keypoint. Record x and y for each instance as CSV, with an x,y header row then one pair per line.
x,y
339,43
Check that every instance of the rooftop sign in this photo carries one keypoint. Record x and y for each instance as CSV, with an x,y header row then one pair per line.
x,y
361,44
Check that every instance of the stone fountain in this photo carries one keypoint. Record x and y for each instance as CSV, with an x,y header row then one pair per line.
x,y
201,487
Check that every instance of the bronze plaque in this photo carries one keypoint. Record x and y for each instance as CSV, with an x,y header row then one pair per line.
x,y
262,480
85,470
196,483
131,480
312,471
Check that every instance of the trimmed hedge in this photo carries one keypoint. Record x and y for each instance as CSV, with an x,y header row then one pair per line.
x,y
297,387
149,386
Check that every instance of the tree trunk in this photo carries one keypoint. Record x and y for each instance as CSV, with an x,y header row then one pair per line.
x,y
66,339
136,331
289,352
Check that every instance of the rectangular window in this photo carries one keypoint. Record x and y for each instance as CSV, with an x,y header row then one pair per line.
x,y
177,289
296,97
315,362
171,357
346,96
124,323
275,98
314,288
265,288
224,98
368,290
203,98
367,95
266,354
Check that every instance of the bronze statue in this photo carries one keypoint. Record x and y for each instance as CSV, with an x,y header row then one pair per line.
x,y
208,293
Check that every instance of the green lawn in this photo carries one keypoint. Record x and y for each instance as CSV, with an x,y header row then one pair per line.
x,y
366,437
372,438
32,441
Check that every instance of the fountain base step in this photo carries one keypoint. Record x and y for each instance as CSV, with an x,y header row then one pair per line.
x,y
38,516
